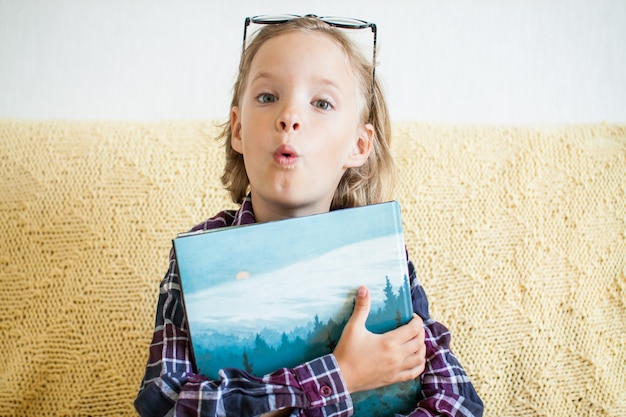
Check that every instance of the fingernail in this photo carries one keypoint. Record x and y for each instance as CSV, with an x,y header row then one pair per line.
x,y
362,292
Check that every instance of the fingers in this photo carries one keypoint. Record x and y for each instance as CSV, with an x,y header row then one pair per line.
x,y
415,347
406,361
417,359
411,349
415,353
414,361
361,307
369,360
413,329
411,373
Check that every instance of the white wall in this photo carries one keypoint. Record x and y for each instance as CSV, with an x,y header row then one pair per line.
x,y
450,61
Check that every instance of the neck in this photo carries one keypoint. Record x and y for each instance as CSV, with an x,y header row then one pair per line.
x,y
265,211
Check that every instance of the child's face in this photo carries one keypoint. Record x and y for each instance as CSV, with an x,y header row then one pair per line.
x,y
298,125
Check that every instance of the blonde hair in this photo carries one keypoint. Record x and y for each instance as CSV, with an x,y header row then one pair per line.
x,y
373,182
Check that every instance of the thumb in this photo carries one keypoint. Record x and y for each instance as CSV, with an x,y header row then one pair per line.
x,y
361,307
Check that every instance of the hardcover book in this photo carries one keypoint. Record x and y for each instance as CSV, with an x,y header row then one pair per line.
x,y
264,296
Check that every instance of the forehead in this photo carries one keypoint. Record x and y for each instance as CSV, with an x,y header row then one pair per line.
x,y
309,52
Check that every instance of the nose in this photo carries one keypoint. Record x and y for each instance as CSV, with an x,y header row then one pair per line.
x,y
286,126
288,119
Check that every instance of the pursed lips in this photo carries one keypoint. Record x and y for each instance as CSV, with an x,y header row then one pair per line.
x,y
286,156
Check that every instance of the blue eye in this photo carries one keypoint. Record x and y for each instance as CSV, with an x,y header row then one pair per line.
x,y
323,104
266,98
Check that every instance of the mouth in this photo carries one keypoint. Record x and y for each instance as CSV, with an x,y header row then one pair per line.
x,y
286,156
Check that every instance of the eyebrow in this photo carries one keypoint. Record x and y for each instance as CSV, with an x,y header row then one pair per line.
x,y
321,80
260,75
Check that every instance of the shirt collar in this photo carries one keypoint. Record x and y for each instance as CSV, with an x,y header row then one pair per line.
x,y
245,214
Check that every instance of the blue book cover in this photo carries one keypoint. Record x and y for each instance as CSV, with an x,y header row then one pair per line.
x,y
264,296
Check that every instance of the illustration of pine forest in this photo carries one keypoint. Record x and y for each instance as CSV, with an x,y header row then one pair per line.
x,y
270,349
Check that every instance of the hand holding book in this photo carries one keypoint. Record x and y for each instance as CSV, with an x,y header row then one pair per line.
x,y
368,360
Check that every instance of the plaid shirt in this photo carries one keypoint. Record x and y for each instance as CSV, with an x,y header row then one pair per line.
x,y
316,388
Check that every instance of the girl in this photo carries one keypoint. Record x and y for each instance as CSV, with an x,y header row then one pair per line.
x,y
309,132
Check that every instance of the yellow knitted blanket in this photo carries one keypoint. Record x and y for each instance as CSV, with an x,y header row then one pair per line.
x,y
518,235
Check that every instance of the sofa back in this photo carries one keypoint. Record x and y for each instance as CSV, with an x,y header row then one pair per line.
x,y
518,235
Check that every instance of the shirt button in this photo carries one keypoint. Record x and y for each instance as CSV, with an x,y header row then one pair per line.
x,y
325,390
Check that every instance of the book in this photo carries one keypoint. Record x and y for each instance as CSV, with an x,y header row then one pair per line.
x,y
264,296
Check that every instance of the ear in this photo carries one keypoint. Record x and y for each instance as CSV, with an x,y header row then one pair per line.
x,y
361,147
235,129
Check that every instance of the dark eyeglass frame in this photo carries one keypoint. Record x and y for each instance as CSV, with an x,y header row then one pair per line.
x,y
334,21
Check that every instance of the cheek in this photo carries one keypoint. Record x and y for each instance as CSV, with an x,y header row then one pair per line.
x,y
255,120
338,153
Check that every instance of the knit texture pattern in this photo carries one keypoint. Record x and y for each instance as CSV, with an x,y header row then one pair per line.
x,y
518,235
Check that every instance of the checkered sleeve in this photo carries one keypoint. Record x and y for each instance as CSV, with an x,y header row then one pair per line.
x,y
171,386
446,388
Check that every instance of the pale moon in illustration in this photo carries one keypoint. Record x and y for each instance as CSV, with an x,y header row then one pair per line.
x,y
242,275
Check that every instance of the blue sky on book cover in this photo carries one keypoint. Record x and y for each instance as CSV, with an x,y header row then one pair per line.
x,y
264,296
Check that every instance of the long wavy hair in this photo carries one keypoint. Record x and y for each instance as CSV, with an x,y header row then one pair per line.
x,y
373,182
